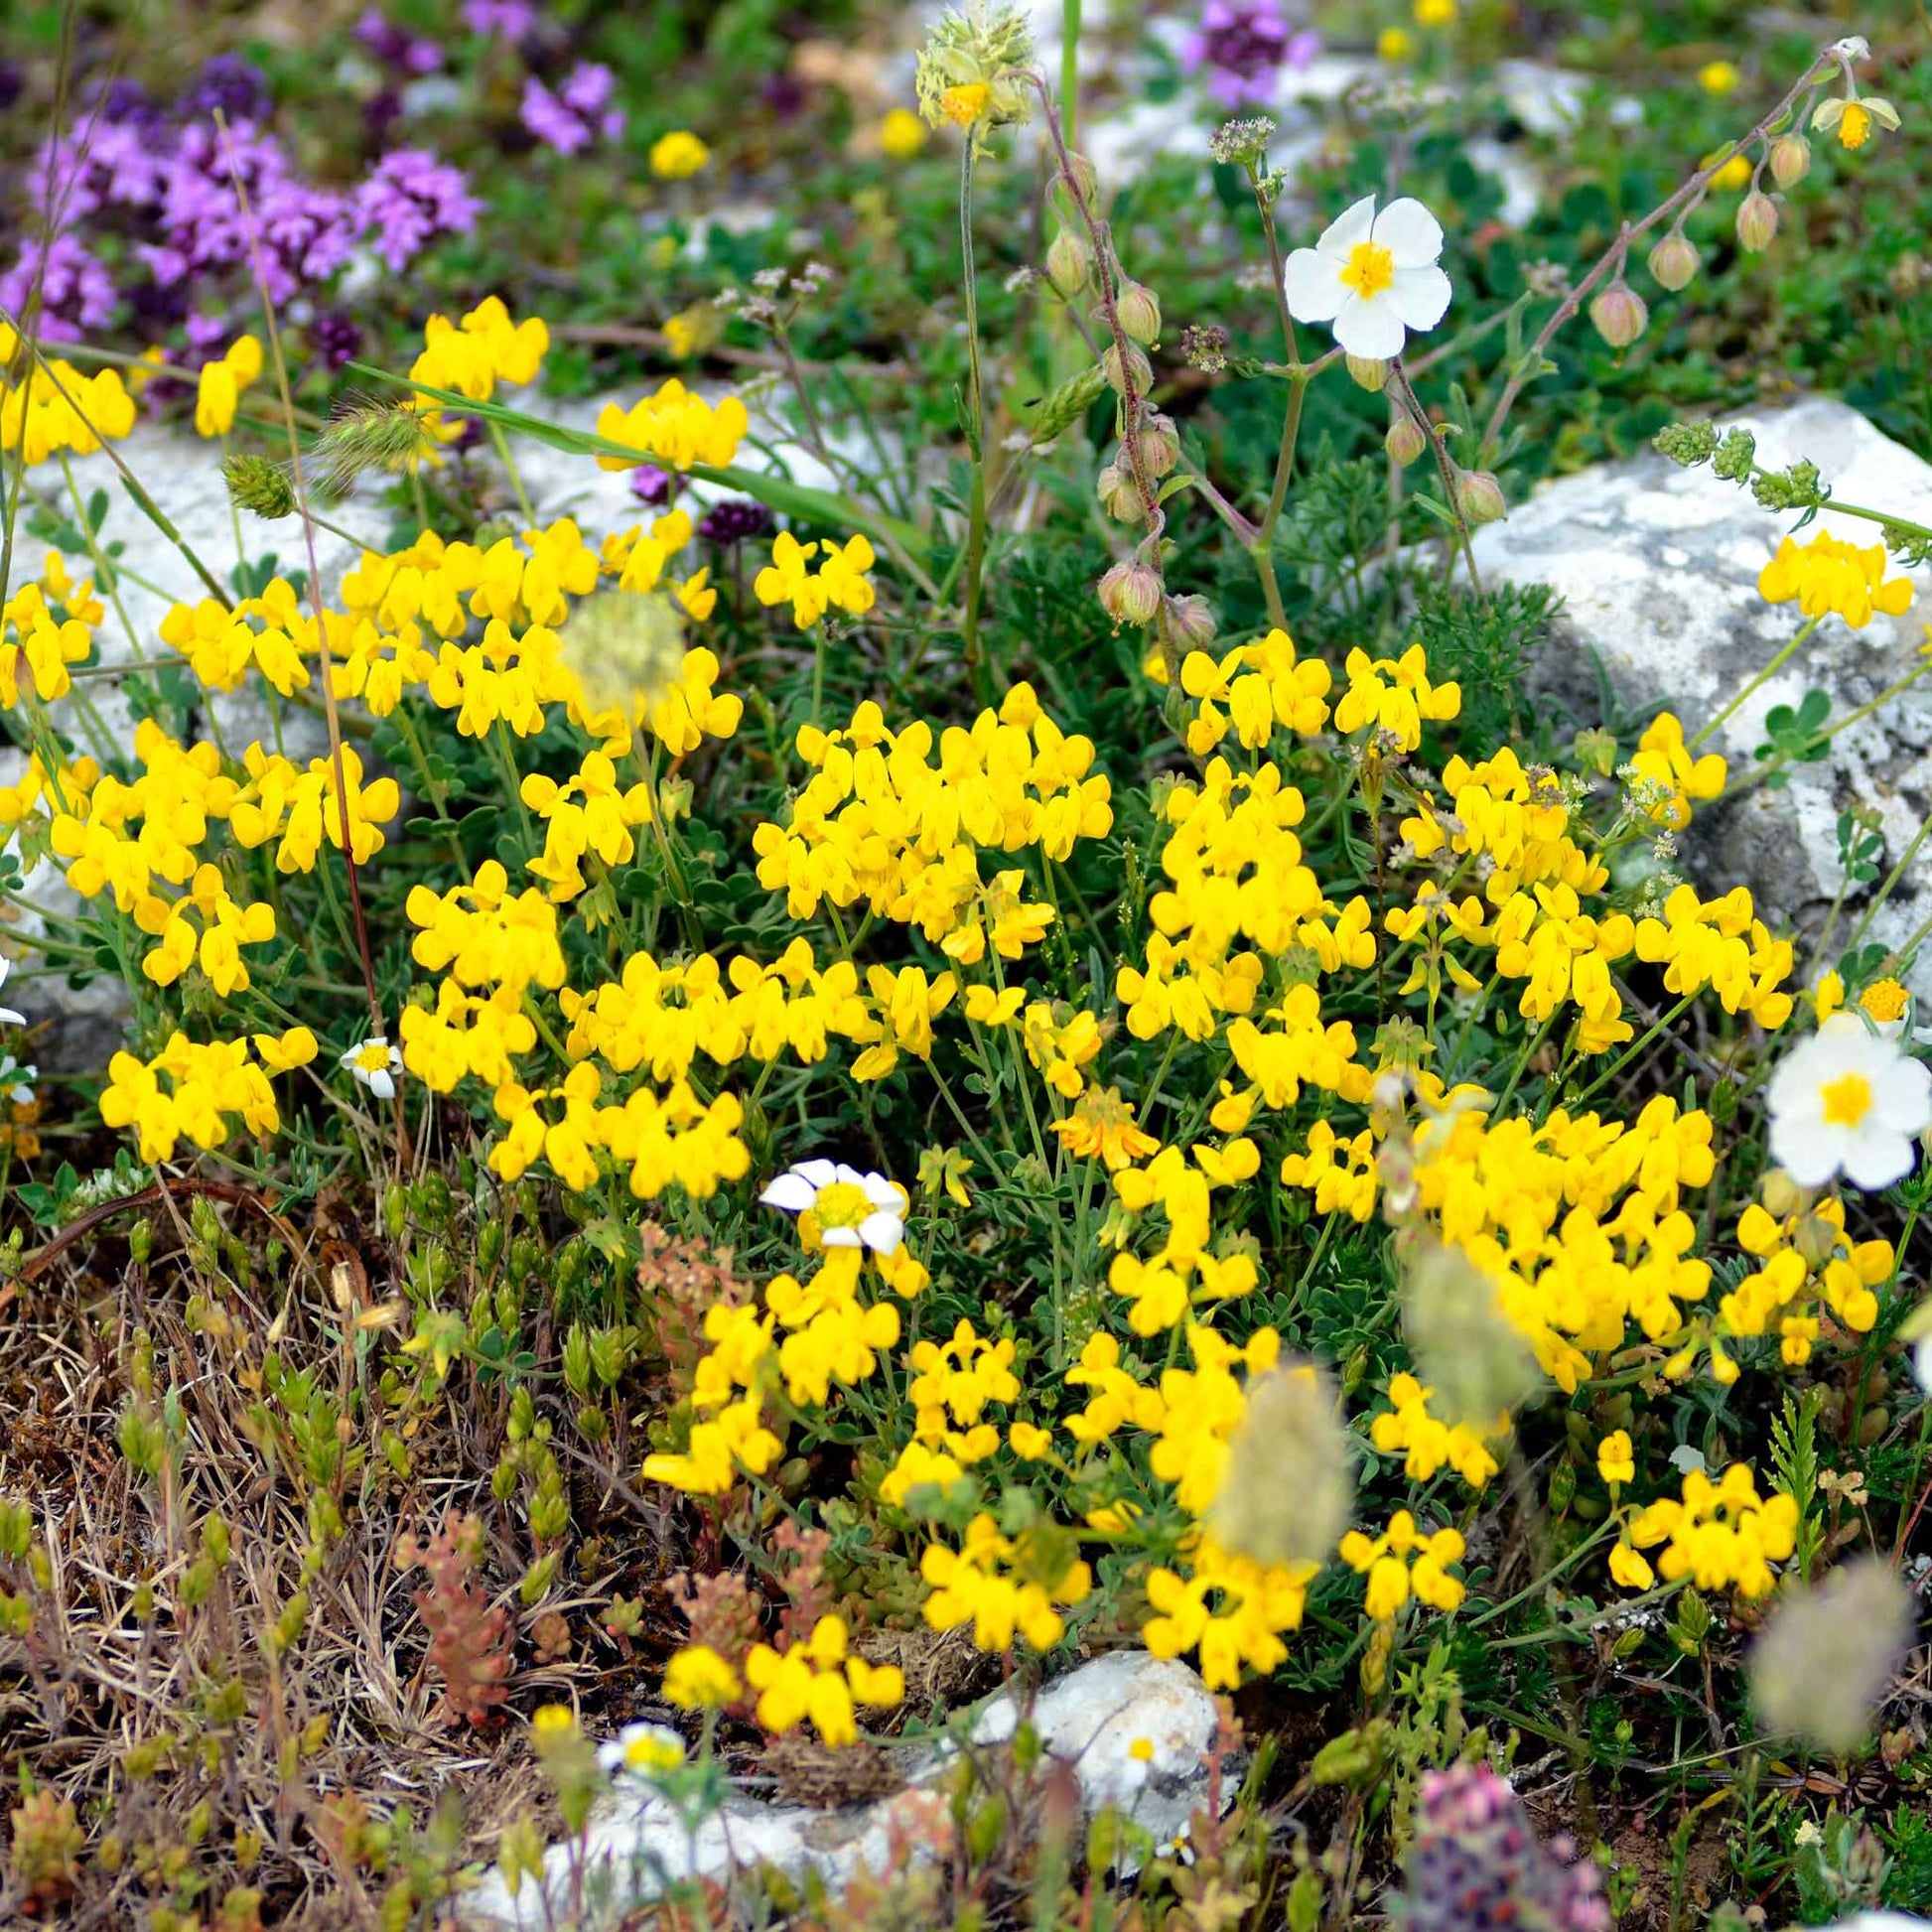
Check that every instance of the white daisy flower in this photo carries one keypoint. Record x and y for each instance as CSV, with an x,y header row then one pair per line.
x,y
8,1016
17,1082
645,1750
851,1210
375,1063
1848,1099
1374,277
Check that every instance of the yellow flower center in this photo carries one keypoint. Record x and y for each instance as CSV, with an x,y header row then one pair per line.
x,y
1855,127
963,106
1371,268
1848,1100
371,1060
841,1206
1884,1000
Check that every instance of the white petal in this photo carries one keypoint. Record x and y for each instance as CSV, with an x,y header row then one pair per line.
x,y
1368,326
9,1017
1922,1363
1313,285
381,1085
1807,1151
882,1233
821,1173
1409,232
790,1191
1351,225
1874,1158
1419,296
884,1193
849,1176
1904,1097
839,1238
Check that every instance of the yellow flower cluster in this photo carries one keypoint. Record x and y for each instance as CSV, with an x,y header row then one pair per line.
x,y
207,1088
879,820
486,349
1003,1586
676,428
59,408
1403,1563
1428,1443
1804,1259
838,583
1829,575
1229,1609
1253,691
1395,696
45,628
821,1681
1722,1534
218,390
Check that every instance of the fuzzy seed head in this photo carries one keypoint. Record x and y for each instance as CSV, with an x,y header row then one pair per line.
x,y
1287,1491
1827,1655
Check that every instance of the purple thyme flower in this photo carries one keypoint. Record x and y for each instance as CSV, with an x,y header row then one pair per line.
x,y
231,84
1242,44
108,164
736,519
511,18
571,122
408,200
76,293
652,487
396,47
336,339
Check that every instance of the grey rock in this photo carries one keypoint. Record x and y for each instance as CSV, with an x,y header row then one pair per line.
x,y
1658,570
1091,1720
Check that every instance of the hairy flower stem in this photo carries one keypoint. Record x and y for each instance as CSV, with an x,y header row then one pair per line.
x,y
969,628
1444,467
1530,364
1132,405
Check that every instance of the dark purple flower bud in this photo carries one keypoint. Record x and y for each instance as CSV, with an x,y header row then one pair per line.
x,y
335,339
737,520
232,86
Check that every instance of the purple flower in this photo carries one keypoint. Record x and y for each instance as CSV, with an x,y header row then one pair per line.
x,y
570,122
409,199
652,487
511,18
12,81
229,84
736,519
112,164
76,293
1243,45
336,339
394,45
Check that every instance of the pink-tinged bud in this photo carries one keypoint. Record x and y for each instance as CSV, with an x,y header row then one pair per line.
x,y
1130,593
1160,445
1118,495
1137,377
1069,261
1371,372
1790,160
1673,262
1480,496
1757,222
1138,308
1192,621
1618,314
1405,440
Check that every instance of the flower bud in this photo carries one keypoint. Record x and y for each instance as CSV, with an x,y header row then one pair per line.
x,y
1371,372
1130,593
1069,261
1618,314
1480,497
1085,181
1790,160
1160,445
1138,310
1192,621
1757,222
1673,262
1405,440
1118,495
1137,376
1780,1195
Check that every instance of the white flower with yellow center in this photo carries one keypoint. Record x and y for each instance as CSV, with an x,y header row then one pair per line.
x,y
643,1750
375,1064
848,1209
8,1016
1374,277
1848,1100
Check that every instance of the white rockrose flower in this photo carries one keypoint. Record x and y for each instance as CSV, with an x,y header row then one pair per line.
x,y
850,1209
1848,1100
375,1063
1374,277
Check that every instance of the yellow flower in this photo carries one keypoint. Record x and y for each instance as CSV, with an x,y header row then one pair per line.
x,y
1830,575
1434,13
1853,118
964,104
1718,78
901,134
698,1679
1616,1462
221,383
677,156
1395,45
1734,173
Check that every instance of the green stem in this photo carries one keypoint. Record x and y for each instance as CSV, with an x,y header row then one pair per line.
x,y
509,462
1777,663
969,630
1070,70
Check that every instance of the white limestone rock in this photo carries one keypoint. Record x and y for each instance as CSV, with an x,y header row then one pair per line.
x,y
1658,567
1092,1720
